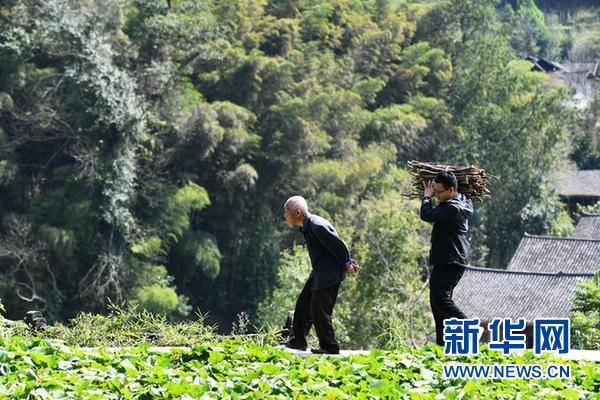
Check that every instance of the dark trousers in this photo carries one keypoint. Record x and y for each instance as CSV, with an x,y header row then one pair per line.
x,y
315,307
443,280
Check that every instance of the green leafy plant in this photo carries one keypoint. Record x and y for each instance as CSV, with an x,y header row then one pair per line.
x,y
37,368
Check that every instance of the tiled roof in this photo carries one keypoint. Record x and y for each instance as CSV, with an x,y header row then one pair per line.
x,y
589,69
585,183
588,227
550,254
488,293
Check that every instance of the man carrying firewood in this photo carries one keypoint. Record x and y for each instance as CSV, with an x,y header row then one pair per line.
x,y
331,262
449,245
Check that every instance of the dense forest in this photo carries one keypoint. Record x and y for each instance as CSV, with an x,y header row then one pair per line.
x,y
147,146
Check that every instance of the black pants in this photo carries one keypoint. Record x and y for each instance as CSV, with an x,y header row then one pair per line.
x,y
443,280
315,307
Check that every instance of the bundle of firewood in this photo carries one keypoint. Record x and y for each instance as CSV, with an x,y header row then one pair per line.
x,y
472,182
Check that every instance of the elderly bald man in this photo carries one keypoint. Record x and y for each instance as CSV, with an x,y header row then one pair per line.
x,y
331,261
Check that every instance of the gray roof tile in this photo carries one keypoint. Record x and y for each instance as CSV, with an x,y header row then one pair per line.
x,y
585,183
588,227
488,293
550,254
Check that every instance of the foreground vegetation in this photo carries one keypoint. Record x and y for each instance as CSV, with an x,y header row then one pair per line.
x,y
237,369
131,354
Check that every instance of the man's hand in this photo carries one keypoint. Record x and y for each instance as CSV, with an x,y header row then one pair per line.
x,y
353,268
429,192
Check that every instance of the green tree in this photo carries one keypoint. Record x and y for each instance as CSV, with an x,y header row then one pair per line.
x,y
586,315
151,144
586,136
513,125
530,35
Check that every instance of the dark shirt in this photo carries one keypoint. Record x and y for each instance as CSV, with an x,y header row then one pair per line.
x,y
328,253
450,233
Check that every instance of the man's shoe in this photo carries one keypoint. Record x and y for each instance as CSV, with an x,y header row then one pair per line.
x,y
323,351
291,345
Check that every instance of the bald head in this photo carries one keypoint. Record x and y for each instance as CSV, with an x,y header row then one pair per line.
x,y
295,209
297,203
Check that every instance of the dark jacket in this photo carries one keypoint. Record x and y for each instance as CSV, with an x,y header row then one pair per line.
x,y
328,253
450,234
